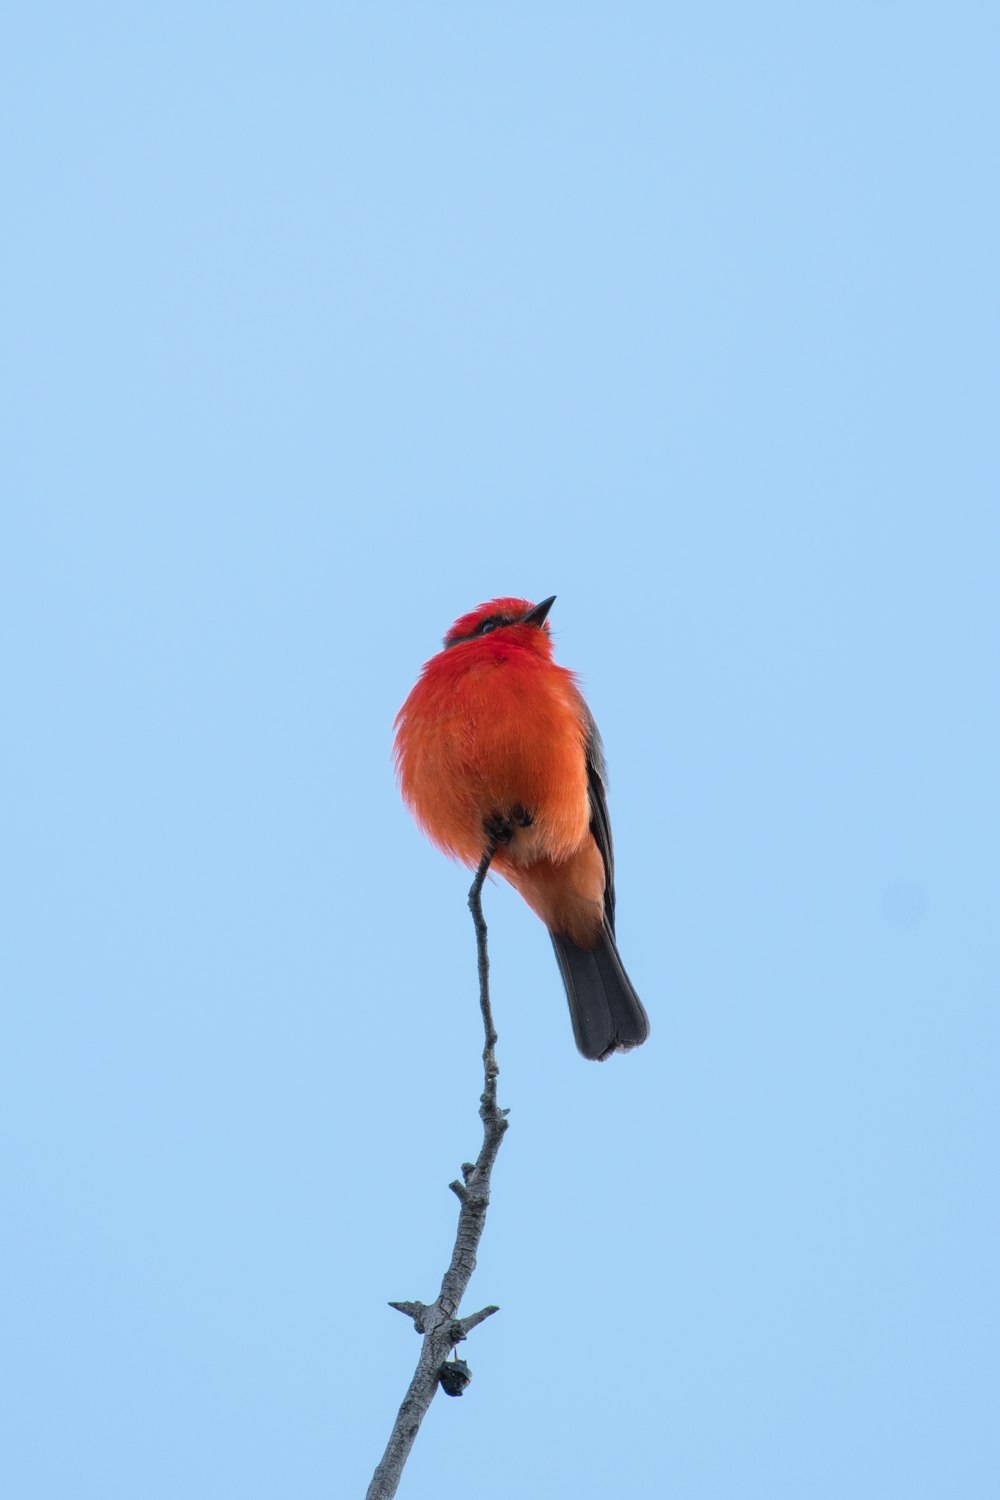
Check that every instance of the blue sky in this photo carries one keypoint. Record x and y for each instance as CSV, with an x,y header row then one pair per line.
x,y
323,323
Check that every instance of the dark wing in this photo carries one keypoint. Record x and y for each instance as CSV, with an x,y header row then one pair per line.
x,y
607,1013
600,823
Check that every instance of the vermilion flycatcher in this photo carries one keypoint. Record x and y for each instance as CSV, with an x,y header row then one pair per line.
x,y
496,747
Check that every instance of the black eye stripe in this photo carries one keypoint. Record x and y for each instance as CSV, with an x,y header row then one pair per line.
x,y
494,622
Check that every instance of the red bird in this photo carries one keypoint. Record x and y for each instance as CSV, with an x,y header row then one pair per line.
x,y
495,746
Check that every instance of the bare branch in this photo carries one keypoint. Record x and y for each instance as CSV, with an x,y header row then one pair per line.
x,y
414,1310
466,1325
438,1323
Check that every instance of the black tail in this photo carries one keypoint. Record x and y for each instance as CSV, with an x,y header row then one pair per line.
x,y
607,1013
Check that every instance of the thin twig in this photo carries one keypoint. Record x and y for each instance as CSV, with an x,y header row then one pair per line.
x,y
442,1329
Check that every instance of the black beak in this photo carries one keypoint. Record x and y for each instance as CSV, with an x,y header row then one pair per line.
x,y
536,615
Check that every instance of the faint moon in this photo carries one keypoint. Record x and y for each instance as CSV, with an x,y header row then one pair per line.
x,y
903,903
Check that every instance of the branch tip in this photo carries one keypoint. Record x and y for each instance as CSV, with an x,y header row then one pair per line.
x,y
473,1320
414,1310
442,1332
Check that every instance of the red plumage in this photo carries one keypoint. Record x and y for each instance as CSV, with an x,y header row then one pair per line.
x,y
496,744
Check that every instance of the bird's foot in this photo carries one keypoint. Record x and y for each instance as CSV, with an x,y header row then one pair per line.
x,y
498,829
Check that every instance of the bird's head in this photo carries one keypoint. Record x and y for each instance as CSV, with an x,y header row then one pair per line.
x,y
506,619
